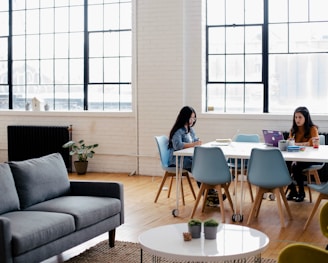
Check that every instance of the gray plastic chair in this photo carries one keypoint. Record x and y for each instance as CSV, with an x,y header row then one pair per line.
x,y
268,171
313,170
164,153
210,168
323,194
231,162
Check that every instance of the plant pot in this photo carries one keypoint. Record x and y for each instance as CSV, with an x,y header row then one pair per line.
x,y
195,231
81,167
210,232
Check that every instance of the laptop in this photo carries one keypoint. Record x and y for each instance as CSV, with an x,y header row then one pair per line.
x,y
271,138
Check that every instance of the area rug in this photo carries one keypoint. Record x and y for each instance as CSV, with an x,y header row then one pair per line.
x,y
125,252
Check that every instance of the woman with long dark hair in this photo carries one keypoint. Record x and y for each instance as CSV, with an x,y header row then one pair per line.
x,y
303,131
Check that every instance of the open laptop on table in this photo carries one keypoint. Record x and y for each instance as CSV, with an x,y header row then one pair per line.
x,y
271,138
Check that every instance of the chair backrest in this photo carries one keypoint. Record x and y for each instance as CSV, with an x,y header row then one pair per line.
x,y
324,219
164,152
267,168
246,138
209,166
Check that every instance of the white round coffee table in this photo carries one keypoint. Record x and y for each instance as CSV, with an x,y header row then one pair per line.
x,y
232,242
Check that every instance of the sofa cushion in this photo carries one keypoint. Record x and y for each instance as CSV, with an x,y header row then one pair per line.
x,y
8,195
40,179
86,210
34,229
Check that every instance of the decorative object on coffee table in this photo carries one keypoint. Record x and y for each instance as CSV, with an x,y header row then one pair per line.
x,y
195,227
83,152
210,228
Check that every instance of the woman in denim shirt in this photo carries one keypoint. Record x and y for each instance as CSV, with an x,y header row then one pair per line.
x,y
183,136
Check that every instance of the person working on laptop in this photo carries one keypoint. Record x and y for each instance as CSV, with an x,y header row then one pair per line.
x,y
182,135
302,131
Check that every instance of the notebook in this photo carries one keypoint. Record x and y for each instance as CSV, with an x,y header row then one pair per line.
x,y
271,138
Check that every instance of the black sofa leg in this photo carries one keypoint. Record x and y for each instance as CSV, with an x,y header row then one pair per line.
x,y
111,237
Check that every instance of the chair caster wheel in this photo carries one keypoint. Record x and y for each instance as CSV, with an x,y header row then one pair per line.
x,y
272,197
175,212
237,218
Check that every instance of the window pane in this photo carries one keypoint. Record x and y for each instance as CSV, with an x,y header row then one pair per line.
x,y
253,68
216,40
76,41
125,70
254,12
215,12
61,71
278,11
47,20
112,17
216,97
3,73
46,46
19,47
47,71
254,98
111,69
18,22
235,12
4,97
76,15
96,43
33,72
317,13
305,37
19,75
298,80
235,40
96,70
278,35
235,68
216,69
76,71
235,98
95,21
4,22
298,10
32,47
32,21
253,39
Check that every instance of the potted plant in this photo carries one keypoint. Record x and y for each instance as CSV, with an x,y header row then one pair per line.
x,y
83,152
194,227
210,228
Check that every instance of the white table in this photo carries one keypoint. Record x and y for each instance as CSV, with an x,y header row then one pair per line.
x,y
232,242
242,150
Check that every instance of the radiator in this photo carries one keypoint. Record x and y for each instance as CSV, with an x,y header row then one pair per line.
x,y
26,142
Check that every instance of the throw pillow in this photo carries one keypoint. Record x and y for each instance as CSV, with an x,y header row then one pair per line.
x,y
40,179
8,195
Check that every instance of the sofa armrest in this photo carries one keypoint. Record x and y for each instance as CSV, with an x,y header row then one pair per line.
x,y
99,188
5,240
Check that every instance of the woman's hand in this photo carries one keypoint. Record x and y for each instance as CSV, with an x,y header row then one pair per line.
x,y
197,143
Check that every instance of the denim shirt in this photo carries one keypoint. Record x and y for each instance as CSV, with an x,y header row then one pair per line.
x,y
179,138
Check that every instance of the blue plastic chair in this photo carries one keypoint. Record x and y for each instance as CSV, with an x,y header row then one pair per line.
x,y
323,194
164,153
313,169
232,163
210,168
268,171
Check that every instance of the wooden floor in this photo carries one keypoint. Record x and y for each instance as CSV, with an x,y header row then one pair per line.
x,y
141,213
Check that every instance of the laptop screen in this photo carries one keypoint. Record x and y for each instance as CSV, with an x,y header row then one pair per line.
x,y
271,138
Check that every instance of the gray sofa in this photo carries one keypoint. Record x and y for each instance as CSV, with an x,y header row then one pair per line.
x,y
42,213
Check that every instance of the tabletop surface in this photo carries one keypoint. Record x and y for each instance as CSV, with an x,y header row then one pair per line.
x,y
243,150
232,242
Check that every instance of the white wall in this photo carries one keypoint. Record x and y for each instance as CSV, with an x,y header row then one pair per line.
x,y
168,74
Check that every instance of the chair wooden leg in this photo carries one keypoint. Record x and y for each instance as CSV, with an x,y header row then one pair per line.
x,y
199,196
161,186
227,193
191,187
281,213
316,205
250,191
221,203
256,204
284,199
206,188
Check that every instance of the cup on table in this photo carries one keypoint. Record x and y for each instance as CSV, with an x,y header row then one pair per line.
x,y
315,142
282,144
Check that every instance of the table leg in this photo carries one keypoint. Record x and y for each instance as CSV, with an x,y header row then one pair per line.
x,y
178,175
257,258
141,255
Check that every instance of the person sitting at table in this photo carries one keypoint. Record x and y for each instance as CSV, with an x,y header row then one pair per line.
x,y
182,135
302,131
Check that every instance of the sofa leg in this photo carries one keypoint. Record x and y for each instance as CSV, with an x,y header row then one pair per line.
x,y
111,238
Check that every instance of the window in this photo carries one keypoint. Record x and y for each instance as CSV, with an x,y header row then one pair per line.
x,y
266,55
73,55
